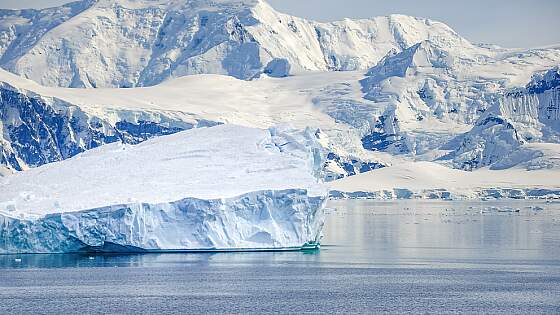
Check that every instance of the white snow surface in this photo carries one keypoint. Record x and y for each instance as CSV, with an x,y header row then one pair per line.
x,y
305,100
329,101
76,45
430,86
5,171
206,163
529,115
261,103
220,187
533,173
425,81
429,95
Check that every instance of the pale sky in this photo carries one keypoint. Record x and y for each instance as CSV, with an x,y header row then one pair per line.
x,y
509,23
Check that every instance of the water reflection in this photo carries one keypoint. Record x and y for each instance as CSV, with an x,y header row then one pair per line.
x,y
373,233
426,232
153,260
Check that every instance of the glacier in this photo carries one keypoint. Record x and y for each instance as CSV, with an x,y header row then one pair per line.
x,y
387,97
399,85
522,116
430,180
219,188
431,89
87,118
512,151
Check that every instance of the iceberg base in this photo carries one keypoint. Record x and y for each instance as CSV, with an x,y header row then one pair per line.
x,y
258,221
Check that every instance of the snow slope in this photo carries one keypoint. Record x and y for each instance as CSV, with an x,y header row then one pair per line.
x,y
329,101
426,87
35,130
434,87
219,187
109,115
429,180
75,46
522,115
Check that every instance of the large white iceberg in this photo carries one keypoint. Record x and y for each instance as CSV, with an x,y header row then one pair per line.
x,y
219,188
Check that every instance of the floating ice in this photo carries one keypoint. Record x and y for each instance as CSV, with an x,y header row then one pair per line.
x,y
224,187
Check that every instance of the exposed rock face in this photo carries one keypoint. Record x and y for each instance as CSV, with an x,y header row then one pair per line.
x,y
34,132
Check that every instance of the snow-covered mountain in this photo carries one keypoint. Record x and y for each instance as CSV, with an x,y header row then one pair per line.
x,y
35,130
204,124
522,116
41,125
431,89
122,43
412,88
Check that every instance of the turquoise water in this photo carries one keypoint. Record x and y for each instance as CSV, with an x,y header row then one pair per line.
x,y
377,257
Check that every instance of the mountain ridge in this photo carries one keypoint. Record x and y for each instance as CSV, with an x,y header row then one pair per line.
x,y
237,38
377,90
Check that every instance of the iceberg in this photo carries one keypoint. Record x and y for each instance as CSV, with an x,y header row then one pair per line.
x,y
210,189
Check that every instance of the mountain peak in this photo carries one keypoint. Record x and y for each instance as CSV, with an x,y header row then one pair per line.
x,y
544,80
421,56
177,3
162,39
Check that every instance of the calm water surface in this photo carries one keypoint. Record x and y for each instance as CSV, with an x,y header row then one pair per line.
x,y
378,257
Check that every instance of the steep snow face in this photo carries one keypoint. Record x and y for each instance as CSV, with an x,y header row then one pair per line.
x,y
158,40
20,30
435,87
527,115
36,131
261,220
219,187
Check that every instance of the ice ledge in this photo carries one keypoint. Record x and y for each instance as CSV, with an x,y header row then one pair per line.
x,y
445,194
263,220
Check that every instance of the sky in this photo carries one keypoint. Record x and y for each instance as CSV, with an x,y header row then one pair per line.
x,y
509,23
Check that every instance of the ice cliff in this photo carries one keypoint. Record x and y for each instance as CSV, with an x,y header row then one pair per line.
x,y
224,187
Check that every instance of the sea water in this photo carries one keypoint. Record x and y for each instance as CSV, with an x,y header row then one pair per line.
x,y
376,257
